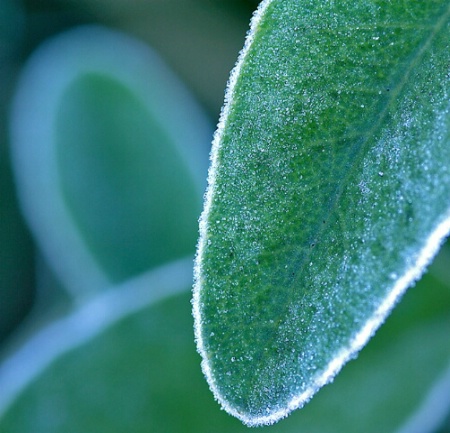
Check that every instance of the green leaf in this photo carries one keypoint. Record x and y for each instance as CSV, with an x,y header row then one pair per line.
x,y
109,154
329,193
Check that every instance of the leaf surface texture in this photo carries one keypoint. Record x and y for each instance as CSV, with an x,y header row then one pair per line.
x,y
329,193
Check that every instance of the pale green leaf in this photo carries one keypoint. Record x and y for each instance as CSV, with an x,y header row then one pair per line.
x,y
329,193
109,153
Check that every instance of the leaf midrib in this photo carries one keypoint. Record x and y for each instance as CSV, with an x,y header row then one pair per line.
x,y
357,150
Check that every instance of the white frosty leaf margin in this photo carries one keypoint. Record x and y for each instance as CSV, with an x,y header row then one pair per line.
x,y
203,223
90,320
413,273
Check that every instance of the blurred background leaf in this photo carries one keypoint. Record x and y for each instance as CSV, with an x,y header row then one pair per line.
x,y
112,160
110,156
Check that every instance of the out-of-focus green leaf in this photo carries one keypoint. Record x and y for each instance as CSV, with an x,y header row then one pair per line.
x,y
142,375
124,181
110,155
329,193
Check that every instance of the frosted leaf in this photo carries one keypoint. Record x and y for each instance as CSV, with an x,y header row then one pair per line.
x,y
330,179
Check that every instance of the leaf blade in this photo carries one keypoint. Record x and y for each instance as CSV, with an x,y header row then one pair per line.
x,y
268,271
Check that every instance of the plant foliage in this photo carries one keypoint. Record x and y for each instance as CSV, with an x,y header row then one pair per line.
x,y
328,195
